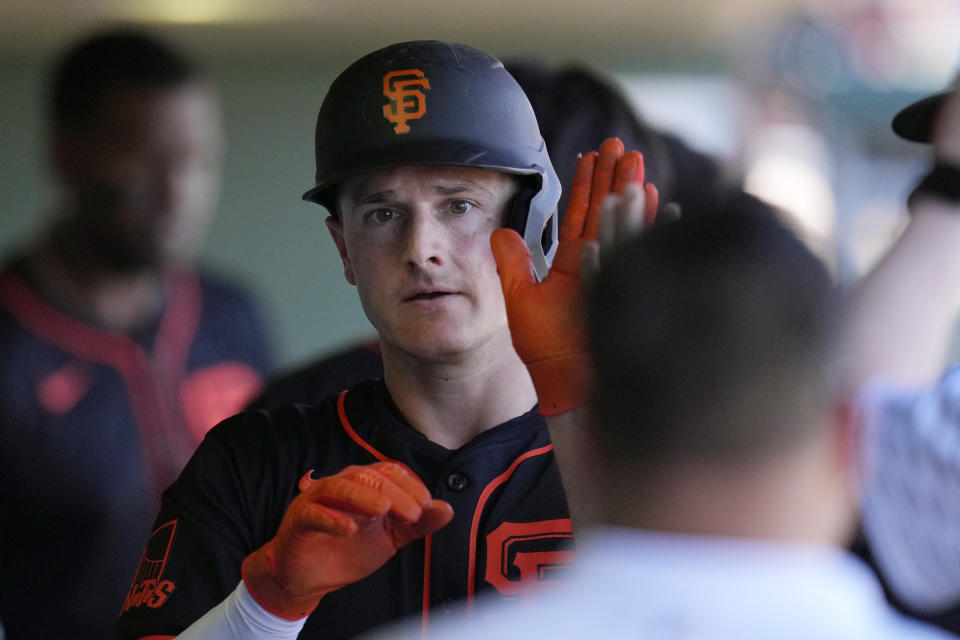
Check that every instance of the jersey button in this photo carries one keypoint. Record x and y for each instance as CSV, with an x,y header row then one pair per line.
x,y
456,481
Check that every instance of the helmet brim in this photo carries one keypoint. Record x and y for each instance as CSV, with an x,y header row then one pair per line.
x,y
915,122
418,152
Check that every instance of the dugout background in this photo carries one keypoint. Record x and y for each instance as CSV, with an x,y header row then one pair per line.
x,y
273,62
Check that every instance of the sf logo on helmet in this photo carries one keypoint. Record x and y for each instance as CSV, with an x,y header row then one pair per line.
x,y
407,101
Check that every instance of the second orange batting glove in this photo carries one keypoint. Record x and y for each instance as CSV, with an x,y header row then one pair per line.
x,y
340,529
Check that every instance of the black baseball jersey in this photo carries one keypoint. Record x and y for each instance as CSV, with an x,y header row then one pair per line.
x,y
313,381
511,526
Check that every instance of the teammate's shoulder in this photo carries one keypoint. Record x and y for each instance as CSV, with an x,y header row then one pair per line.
x,y
232,320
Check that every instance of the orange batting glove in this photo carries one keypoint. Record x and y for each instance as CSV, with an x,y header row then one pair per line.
x,y
340,529
547,318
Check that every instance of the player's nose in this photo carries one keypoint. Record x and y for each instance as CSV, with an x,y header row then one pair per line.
x,y
425,241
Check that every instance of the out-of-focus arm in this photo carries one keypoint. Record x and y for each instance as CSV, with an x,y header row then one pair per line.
x,y
902,313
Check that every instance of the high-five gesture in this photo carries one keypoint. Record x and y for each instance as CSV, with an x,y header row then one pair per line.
x,y
545,317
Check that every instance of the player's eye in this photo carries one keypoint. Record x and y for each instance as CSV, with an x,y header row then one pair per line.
x,y
460,207
381,216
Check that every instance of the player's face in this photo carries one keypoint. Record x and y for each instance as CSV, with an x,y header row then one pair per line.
x,y
144,177
415,241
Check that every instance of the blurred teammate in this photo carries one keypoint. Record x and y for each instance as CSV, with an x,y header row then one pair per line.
x,y
117,354
722,469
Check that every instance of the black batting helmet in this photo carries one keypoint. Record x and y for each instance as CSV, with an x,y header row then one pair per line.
x,y
429,102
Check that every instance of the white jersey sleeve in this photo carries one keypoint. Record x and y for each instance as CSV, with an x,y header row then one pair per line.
x,y
911,490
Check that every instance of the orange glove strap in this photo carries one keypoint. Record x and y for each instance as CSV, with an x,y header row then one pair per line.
x,y
268,593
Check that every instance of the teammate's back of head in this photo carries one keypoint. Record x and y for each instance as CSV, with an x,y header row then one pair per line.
x,y
578,107
712,339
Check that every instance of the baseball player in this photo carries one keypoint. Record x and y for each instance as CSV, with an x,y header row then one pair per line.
x,y
117,351
401,496
576,109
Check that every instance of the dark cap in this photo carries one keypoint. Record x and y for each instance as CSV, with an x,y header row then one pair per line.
x,y
915,122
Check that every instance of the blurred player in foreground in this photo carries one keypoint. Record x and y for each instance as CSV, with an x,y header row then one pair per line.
x,y
718,467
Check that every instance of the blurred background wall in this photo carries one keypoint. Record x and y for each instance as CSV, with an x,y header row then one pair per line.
x,y
795,95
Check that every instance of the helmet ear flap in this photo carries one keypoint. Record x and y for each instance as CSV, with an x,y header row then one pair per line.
x,y
538,231
546,238
519,209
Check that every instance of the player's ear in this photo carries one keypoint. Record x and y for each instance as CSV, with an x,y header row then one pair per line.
x,y
335,227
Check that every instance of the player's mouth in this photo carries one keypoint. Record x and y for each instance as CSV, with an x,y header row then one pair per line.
x,y
426,296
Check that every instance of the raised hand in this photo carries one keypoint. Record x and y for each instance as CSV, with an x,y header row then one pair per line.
x,y
546,318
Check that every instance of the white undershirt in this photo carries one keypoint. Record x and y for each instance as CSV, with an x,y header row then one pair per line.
x,y
240,617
